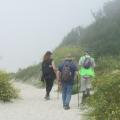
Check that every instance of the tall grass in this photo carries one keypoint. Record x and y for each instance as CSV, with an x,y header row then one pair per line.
x,y
7,90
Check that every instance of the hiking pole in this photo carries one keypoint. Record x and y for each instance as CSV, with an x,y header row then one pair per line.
x,y
57,85
78,91
58,92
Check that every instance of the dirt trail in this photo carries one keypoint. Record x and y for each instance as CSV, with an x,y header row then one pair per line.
x,y
32,106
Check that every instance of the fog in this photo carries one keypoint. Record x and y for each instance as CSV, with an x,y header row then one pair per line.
x,y
30,27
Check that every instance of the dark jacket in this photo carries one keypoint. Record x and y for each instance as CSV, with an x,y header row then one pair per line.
x,y
47,70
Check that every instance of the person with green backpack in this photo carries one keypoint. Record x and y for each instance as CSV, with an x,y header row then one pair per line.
x,y
87,65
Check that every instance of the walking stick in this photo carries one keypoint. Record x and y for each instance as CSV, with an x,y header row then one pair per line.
x,y
78,91
59,84
58,91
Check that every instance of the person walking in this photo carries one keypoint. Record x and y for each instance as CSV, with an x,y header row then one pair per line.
x,y
87,65
66,73
48,73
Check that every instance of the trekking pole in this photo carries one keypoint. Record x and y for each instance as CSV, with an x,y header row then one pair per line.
x,y
58,92
57,85
78,91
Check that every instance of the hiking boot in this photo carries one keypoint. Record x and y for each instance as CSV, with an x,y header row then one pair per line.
x,y
66,107
47,97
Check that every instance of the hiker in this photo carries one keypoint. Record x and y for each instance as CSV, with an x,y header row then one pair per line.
x,y
66,73
87,65
48,73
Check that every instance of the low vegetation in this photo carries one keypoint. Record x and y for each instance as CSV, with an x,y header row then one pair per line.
x,y
30,75
7,90
106,101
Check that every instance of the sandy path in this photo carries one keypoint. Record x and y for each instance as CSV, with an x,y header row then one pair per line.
x,y
32,106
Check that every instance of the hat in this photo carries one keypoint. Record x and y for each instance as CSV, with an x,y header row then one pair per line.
x,y
69,57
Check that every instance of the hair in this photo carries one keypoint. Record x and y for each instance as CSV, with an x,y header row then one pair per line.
x,y
47,56
68,57
86,52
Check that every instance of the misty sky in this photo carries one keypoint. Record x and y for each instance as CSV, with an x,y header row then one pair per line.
x,y
30,27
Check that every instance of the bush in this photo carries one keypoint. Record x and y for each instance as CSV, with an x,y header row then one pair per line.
x,y
106,101
76,86
108,64
7,91
26,74
61,52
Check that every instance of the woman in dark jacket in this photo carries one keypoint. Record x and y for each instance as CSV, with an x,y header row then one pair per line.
x,y
49,72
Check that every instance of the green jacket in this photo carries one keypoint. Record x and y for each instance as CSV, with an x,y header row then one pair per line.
x,y
86,72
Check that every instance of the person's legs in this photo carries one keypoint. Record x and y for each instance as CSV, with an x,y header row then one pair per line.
x,y
50,85
84,97
83,84
64,89
47,89
88,92
83,89
86,88
68,95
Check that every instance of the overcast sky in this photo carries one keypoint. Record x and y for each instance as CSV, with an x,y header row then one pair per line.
x,y
30,27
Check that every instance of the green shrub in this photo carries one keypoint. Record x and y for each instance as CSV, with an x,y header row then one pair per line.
x,y
30,75
61,52
106,100
7,91
108,64
76,86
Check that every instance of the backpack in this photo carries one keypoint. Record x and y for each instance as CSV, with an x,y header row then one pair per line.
x,y
87,63
66,73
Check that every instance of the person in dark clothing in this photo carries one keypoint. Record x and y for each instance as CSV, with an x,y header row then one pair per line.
x,y
66,75
48,73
